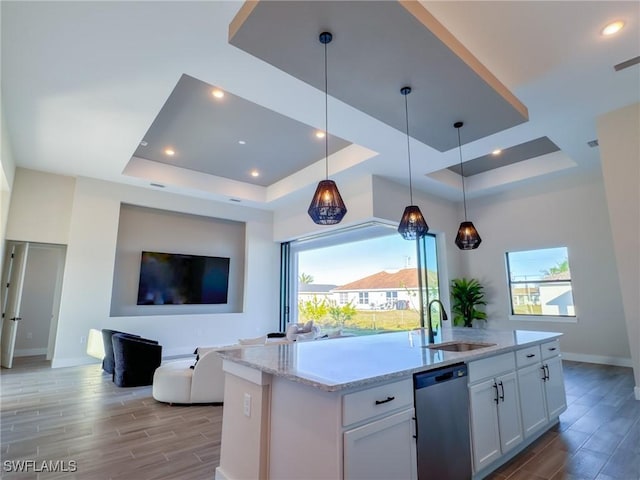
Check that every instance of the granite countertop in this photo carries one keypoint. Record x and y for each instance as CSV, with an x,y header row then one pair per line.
x,y
349,362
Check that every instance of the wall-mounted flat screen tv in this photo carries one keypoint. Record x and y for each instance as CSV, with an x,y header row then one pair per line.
x,y
175,279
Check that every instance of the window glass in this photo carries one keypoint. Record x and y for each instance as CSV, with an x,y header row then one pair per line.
x,y
540,282
362,285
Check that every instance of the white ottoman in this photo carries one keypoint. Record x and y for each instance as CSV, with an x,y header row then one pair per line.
x,y
176,382
172,382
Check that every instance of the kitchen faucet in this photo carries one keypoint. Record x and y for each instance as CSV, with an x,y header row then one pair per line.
x,y
443,316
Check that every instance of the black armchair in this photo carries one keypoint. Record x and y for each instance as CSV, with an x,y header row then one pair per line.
x,y
107,361
136,359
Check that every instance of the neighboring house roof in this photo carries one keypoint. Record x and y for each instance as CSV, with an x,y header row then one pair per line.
x,y
405,278
315,287
566,275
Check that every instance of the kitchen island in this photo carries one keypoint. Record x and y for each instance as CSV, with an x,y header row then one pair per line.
x,y
344,408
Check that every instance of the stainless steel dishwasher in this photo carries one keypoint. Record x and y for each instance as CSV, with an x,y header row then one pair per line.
x,y
442,423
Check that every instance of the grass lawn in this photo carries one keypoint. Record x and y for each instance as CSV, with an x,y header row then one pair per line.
x,y
374,321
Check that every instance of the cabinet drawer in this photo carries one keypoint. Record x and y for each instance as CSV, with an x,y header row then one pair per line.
x,y
528,356
492,366
550,349
375,401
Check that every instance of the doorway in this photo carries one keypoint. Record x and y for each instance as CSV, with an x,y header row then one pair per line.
x,y
31,299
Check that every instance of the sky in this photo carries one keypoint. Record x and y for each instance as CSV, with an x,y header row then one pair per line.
x,y
529,265
341,264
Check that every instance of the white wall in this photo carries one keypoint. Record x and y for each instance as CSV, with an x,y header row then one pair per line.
x,y
563,212
86,290
7,173
40,207
293,222
618,134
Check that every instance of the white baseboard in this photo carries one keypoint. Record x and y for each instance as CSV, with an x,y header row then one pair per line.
x,y
600,359
87,360
220,474
29,352
636,391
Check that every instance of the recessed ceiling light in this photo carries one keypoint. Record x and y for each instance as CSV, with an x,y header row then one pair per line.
x,y
143,143
497,151
217,93
255,173
612,28
320,134
169,151
242,142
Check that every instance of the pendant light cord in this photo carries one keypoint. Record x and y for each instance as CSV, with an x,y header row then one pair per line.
x,y
406,114
326,115
464,196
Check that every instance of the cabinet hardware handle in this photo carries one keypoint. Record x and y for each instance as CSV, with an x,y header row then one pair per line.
x,y
502,390
552,349
544,374
496,387
546,371
380,402
15,319
531,355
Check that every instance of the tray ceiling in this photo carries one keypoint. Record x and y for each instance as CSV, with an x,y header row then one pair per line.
x,y
378,47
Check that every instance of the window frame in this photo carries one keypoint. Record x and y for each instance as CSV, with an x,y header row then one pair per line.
x,y
535,317
363,232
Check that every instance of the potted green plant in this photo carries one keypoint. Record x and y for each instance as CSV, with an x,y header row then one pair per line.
x,y
466,295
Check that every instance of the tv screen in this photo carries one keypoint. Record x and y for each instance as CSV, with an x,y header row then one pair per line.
x,y
175,279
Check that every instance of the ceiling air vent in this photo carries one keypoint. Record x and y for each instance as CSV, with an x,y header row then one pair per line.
x,y
629,63
593,143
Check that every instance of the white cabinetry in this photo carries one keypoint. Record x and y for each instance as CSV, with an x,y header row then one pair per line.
x,y
381,449
379,441
541,385
495,409
554,387
531,388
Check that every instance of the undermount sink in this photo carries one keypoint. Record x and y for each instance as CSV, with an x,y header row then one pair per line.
x,y
460,346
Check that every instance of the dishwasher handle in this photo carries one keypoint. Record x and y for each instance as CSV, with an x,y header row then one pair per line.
x,y
445,376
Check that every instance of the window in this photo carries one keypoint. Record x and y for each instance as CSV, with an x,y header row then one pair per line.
x,y
363,298
391,299
369,275
540,283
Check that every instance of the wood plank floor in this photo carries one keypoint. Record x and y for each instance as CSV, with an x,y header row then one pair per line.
x,y
598,436
77,415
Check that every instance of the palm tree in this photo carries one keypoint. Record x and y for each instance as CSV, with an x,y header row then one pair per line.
x,y
305,279
559,267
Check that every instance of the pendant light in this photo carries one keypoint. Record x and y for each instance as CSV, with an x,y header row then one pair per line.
x,y
468,237
412,224
327,207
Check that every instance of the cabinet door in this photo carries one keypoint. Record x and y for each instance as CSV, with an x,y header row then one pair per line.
x,y
485,435
554,387
532,398
509,412
382,449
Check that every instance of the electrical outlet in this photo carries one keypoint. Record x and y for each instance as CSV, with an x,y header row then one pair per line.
x,y
83,340
246,407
